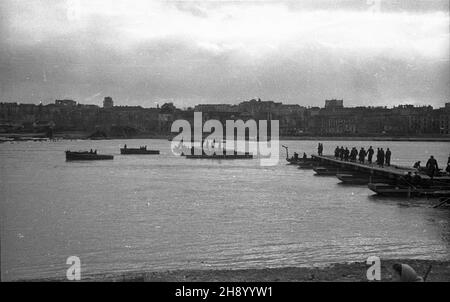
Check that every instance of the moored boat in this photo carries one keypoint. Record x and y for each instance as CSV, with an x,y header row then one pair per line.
x,y
326,171
140,150
86,155
296,160
362,179
222,156
409,191
299,160
352,179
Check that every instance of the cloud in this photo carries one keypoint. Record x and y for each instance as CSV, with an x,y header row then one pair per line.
x,y
192,52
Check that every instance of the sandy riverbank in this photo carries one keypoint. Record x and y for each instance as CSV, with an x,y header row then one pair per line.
x,y
340,272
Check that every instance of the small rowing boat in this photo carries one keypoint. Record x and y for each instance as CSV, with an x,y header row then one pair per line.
x,y
141,150
324,171
298,161
86,155
409,191
362,179
223,156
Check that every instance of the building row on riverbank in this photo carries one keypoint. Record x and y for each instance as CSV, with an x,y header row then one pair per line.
x,y
332,120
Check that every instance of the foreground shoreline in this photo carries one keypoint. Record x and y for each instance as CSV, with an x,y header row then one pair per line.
x,y
338,272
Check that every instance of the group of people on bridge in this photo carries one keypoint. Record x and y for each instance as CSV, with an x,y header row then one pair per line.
x,y
431,167
353,155
383,158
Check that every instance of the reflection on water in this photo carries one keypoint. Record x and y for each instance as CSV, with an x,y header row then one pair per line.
x,y
166,212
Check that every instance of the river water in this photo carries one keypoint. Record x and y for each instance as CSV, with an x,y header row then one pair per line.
x,y
166,212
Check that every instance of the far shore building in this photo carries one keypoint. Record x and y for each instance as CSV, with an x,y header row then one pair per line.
x,y
334,104
444,119
67,103
108,102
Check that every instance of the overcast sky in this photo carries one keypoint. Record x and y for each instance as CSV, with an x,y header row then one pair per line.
x,y
367,52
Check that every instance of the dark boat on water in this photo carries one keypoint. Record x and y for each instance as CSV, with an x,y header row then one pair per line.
x,y
140,150
86,155
299,160
222,156
327,171
189,149
362,179
304,161
210,153
409,191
